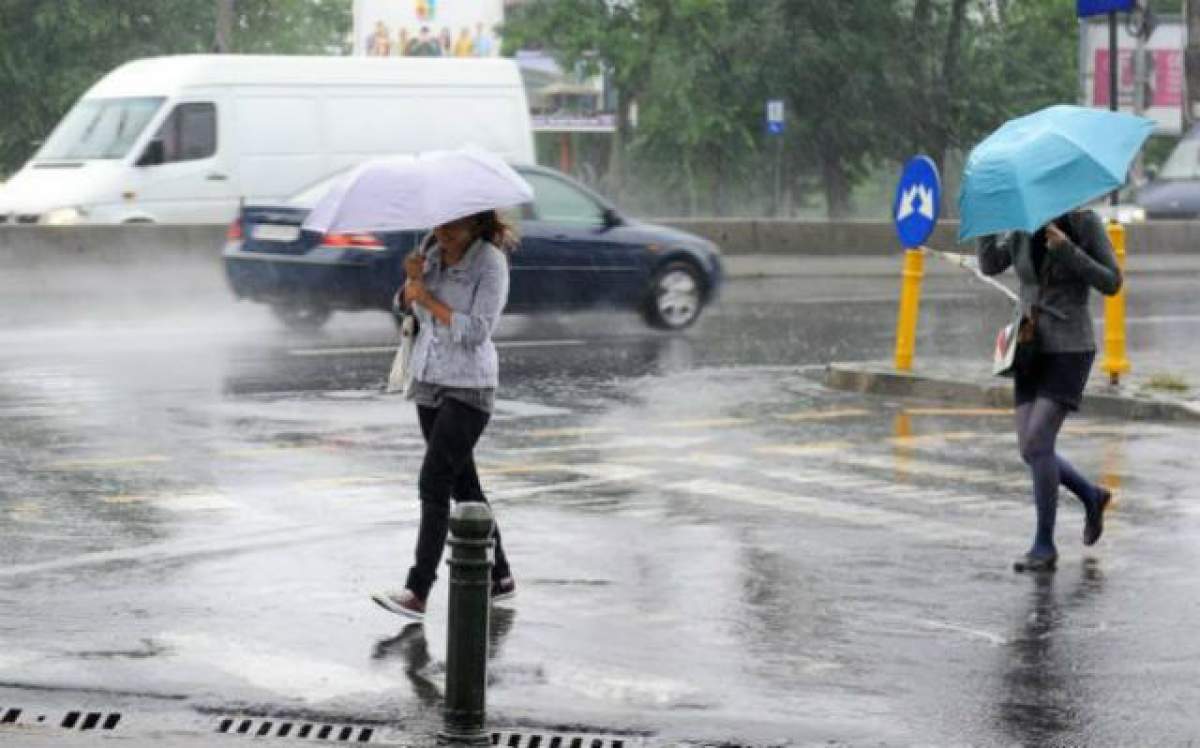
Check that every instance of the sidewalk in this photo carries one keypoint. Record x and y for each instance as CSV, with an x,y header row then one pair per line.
x,y
888,265
970,382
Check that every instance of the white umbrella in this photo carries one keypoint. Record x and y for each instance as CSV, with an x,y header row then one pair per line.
x,y
405,193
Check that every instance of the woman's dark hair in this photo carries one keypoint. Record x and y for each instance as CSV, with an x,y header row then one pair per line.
x,y
489,225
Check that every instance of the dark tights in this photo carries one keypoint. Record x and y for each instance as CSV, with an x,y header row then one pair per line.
x,y
1038,424
450,432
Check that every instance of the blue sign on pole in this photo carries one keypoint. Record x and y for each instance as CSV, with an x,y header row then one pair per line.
x,y
918,201
1085,8
775,117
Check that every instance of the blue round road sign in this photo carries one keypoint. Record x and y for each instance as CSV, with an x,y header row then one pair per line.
x,y
918,201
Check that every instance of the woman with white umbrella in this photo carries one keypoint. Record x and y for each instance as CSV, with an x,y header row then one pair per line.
x,y
457,289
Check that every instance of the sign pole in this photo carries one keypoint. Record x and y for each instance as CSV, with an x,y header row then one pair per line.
x,y
1114,63
778,175
775,126
1115,360
915,210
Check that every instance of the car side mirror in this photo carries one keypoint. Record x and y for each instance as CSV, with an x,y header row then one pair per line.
x,y
154,154
611,219
1151,173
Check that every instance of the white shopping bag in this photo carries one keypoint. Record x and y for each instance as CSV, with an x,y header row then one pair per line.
x,y
400,378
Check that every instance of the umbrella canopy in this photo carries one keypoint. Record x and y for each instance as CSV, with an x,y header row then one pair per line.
x,y
1040,166
404,193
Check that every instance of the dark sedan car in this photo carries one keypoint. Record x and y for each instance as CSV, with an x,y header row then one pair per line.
x,y
577,252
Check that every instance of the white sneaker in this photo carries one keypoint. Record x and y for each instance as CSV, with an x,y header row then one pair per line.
x,y
403,603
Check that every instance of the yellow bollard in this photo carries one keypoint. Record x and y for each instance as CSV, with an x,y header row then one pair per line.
x,y
910,305
1115,361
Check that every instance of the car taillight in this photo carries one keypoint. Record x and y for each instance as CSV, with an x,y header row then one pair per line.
x,y
234,232
357,241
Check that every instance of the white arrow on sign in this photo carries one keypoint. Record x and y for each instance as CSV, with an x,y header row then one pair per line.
x,y
916,199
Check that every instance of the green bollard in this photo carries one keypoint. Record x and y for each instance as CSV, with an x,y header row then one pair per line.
x,y
470,564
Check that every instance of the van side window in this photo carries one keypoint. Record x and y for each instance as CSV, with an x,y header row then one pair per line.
x,y
190,133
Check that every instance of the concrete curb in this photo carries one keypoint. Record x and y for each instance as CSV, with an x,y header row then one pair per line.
x,y
878,380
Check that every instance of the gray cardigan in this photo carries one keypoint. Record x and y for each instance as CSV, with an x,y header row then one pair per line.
x,y
1065,321
462,354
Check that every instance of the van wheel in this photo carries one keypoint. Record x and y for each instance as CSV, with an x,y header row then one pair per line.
x,y
676,297
302,317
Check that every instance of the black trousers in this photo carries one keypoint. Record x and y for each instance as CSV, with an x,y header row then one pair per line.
x,y
451,432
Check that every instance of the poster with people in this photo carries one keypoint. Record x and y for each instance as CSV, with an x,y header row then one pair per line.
x,y
427,28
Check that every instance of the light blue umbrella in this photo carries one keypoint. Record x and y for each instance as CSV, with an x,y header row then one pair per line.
x,y
1042,165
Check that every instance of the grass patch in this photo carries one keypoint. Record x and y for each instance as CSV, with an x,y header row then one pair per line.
x,y
1167,382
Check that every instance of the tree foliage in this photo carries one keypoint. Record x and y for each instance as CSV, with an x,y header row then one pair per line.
x,y
865,81
51,52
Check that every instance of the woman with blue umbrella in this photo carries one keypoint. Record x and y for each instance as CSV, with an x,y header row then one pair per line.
x,y
1029,179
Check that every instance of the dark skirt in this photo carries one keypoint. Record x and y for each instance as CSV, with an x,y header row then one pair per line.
x,y
1060,377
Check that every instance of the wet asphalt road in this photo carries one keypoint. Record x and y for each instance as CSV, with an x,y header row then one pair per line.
x,y
707,544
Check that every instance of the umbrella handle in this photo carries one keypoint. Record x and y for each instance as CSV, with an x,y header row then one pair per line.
x,y
427,243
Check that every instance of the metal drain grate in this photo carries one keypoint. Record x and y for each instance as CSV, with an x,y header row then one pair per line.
x,y
81,721
296,730
552,740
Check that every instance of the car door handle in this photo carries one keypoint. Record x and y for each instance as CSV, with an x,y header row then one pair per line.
x,y
214,177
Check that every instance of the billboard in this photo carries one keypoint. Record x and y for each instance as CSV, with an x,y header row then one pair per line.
x,y
1164,80
427,28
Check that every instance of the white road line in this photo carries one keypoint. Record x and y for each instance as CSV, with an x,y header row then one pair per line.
x,y
926,496
987,636
910,466
612,474
523,409
832,509
632,442
1156,319
539,343
375,349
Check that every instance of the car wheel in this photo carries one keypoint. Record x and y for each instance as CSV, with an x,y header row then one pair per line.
x,y
676,296
306,317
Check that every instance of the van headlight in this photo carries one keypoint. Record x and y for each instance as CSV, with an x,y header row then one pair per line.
x,y
62,217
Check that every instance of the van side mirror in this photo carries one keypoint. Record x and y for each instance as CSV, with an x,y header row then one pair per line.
x,y
154,154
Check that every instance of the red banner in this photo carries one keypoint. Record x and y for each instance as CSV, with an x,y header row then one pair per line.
x,y
1165,78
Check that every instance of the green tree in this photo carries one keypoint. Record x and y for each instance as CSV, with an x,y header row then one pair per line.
x,y
833,61
866,81
616,37
50,53
701,130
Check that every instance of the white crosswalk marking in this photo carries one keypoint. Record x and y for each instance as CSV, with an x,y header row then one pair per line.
x,y
906,492
915,467
833,509
612,445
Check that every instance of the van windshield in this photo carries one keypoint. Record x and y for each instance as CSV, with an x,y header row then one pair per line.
x,y
100,128
1184,162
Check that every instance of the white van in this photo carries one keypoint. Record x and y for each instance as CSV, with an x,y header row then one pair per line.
x,y
183,139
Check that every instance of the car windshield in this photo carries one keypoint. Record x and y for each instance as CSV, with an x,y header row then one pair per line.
x,y
100,128
1184,162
